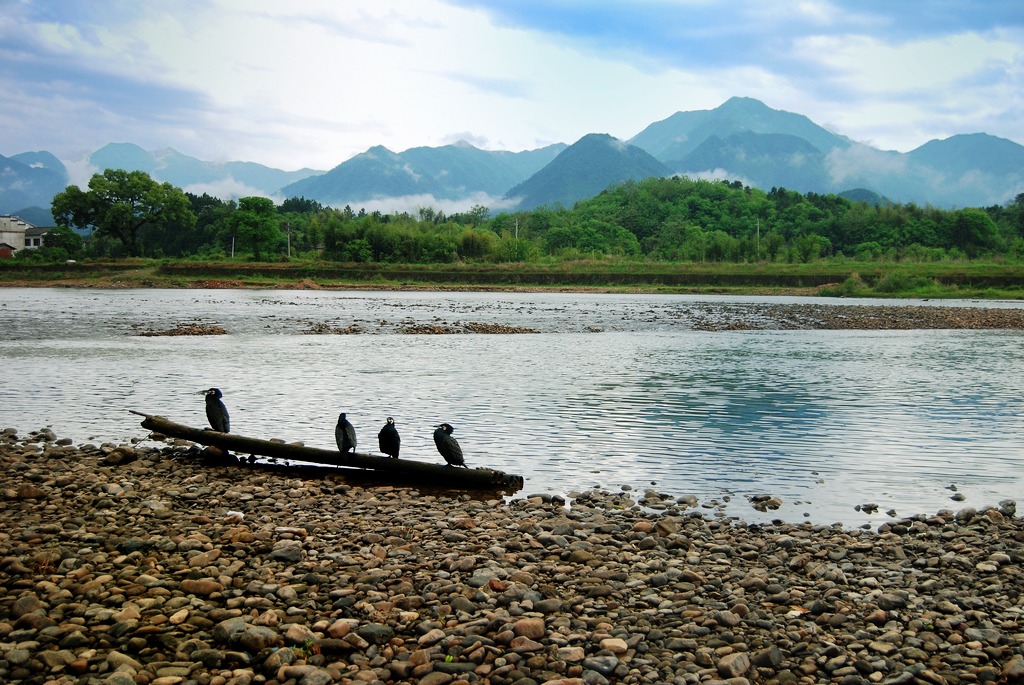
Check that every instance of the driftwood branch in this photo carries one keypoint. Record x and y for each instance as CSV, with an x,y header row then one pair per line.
x,y
405,468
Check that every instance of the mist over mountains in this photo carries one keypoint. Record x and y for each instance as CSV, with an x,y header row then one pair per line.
x,y
741,140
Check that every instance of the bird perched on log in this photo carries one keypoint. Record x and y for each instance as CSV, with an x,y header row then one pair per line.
x,y
216,412
448,446
389,439
345,435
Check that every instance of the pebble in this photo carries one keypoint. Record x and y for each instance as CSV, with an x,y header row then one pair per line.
x,y
153,569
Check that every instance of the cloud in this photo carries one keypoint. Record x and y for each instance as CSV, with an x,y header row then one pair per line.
x,y
228,188
80,170
857,162
311,83
413,203
718,174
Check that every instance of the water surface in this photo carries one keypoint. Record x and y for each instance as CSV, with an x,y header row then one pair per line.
x,y
613,392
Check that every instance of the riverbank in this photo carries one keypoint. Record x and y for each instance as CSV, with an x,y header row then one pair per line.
x,y
839,278
137,565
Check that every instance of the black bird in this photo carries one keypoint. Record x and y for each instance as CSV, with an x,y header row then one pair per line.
x,y
389,439
448,446
345,435
216,412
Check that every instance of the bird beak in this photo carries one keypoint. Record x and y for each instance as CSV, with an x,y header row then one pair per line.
x,y
201,392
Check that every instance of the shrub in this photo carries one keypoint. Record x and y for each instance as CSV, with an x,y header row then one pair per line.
x,y
900,282
853,286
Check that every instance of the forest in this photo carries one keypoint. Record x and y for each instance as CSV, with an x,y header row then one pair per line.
x,y
673,219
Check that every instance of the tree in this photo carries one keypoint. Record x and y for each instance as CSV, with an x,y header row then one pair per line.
x,y
255,223
119,204
971,230
63,238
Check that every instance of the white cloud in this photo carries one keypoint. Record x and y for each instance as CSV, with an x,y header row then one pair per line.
x,y
413,203
311,83
227,188
859,161
913,91
80,170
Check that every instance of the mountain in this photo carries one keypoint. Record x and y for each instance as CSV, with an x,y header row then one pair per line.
x,y
232,179
969,170
584,169
450,172
863,195
766,160
965,153
30,179
674,138
127,156
742,140
42,160
37,216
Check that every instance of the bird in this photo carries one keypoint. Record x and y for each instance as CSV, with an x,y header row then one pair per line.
x,y
216,412
345,435
448,446
389,439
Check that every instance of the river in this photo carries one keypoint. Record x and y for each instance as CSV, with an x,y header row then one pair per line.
x,y
612,391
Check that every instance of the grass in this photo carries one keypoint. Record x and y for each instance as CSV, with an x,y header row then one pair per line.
x,y
984,280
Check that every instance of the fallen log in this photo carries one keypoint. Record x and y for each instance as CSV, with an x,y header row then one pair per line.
x,y
436,474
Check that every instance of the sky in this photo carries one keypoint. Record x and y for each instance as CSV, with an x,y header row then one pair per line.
x,y
311,83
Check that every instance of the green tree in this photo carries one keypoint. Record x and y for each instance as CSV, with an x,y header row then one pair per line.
x,y
119,204
971,230
63,238
255,223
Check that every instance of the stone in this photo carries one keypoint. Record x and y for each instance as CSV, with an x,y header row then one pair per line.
x,y
615,645
733,665
203,587
604,665
255,639
532,628
289,551
375,633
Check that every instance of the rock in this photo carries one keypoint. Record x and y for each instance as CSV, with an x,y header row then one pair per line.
x,y
119,660
733,665
165,571
604,665
289,551
203,587
532,628
1013,671
615,645
375,633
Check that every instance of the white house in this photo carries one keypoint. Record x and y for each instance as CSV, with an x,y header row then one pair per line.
x,y
20,234
12,230
35,237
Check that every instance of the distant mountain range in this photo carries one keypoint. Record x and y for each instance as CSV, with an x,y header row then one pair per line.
x,y
584,169
743,140
30,179
451,172
241,178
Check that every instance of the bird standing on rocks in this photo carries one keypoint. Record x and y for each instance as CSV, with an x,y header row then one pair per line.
x,y
389,439
345,435
216,412
448,446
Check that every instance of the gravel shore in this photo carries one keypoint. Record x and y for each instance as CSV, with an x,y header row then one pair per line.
x,y
138,565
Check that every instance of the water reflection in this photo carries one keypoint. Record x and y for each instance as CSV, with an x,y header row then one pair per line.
x,y
824,419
